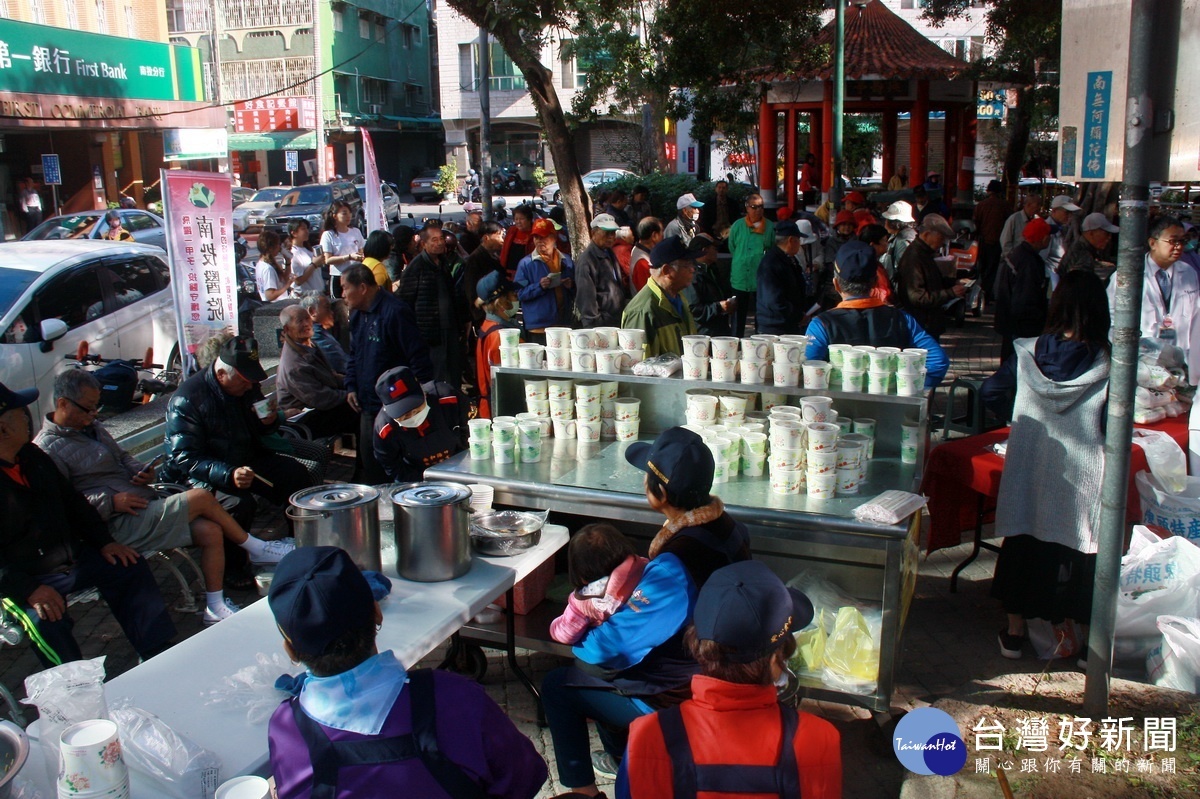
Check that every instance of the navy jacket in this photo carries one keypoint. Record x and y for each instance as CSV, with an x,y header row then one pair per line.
x,y
1058,359
382,337
781,298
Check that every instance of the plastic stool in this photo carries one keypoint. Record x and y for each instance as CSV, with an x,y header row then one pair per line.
x,y
973,422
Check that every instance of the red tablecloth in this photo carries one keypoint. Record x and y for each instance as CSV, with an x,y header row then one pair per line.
x,y
959,471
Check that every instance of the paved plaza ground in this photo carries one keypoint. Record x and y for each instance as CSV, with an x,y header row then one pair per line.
x,y
949,641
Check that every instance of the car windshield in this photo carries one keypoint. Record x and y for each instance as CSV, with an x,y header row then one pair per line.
x,y
308,195
268,195
73,226
13,283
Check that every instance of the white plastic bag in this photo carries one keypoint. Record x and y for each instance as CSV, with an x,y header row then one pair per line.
x,y
252,689
64,695
1177,512
182,767
1158,578
658,366
1167,462
1176,662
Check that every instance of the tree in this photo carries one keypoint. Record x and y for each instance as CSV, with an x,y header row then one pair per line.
x,y
1026,38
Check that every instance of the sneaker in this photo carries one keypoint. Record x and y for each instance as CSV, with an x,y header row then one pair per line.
x,y
605,764
1010,645
221,613
273,551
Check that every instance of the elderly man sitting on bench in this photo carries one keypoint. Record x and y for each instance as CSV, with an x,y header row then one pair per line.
x,y
117,486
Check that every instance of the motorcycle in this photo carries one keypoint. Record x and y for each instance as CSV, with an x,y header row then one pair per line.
x,y
506,180
469,190
247,288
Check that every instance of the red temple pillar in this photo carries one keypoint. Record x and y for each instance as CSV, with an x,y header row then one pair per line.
x,y
790,163
767,144
966,177
827,139
889,145
951,141
918,136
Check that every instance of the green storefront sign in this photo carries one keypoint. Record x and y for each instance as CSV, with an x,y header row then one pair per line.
x,y
39,59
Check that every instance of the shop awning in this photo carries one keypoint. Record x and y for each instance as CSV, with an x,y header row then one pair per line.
x,y
278,140
421,123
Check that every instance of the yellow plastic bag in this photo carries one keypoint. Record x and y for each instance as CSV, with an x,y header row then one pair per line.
x,y
851,659
810,647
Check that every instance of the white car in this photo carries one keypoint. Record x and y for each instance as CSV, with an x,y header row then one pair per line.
x,y
590,181
250,214
391,201
56,294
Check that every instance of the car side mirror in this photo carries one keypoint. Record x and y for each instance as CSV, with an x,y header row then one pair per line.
x,y
52,330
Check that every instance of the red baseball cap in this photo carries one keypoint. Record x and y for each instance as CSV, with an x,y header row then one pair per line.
x,y
845,218
855,197
1036,229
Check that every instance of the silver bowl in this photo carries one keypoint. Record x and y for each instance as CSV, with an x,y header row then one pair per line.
x,y
507,532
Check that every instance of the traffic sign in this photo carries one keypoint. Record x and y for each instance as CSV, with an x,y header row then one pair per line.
x,y
291,158
51,173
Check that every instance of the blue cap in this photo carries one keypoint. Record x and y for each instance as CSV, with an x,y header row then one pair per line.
x,y
667,251
749,610
788,228
10,399
400,391
318,594
856,262
493,285
679,458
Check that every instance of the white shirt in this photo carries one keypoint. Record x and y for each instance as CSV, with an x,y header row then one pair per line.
x,y
1184,311
334,243
265,277
302,259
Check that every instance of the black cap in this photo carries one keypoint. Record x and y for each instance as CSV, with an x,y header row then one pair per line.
x,y
317,595
10,399
493,285
856,262
995,187
667,251
400,391
699,243
241,352
679,458
788,228
746,608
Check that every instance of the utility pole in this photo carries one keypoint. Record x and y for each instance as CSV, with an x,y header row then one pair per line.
x,y
1122,377
485,123
319,130
839,99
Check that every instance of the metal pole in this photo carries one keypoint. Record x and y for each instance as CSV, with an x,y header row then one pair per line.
x,y
839,100
319,130
485,123
1126,309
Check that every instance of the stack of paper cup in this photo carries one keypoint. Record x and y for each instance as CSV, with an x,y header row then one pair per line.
x,y
627,409
816,409
583,360
529,439
537,398
910,433
821,469
836,361
611,361
558,348
816,374
510,338
587,431
608,419
695,368
90,765
854,368
722,370
609,390
732,410
849,466
754,453
504,441
909,384
479,440
249,787
845,424
866,427
481,497
531,356
633,344
702,409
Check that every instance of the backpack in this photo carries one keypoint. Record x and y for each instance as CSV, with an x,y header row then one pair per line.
x,y
118,379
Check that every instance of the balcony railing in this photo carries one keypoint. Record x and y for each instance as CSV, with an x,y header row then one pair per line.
x,y
196,15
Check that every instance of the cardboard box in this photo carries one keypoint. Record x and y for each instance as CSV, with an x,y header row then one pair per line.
x,y
530,592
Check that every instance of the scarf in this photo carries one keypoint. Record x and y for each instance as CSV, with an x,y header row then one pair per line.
x,y
757,227
696,517
358,700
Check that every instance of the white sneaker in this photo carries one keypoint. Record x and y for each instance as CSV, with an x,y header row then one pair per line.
x,y
273,551
212,616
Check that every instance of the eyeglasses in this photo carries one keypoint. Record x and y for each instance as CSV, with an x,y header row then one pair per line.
x,y
88,411
1173,242
758,207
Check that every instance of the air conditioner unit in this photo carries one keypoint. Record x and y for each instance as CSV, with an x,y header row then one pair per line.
x,y
374,108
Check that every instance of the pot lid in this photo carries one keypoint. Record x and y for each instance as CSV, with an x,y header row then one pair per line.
x,y
430,494
334,497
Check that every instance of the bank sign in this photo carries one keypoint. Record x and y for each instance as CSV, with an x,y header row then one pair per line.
x,y
38,59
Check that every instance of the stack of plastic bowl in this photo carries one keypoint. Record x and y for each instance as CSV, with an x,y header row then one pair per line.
x,y
510,338
504,441
479,441
558,349
787,456
481,497
90,764
627,415
633,343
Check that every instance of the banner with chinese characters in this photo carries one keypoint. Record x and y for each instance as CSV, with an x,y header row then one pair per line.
x,y
275,113
373,190
198,207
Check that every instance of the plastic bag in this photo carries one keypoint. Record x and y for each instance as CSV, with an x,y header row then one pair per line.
x,y
1151,375
810,645
658,366
890,507
1175,663
1052,641
826,597
252,689
852,652
185,769
1165,457
64,695
1177,512
1158,578
1148,398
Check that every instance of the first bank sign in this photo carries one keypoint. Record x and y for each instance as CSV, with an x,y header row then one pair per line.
x,y
42,60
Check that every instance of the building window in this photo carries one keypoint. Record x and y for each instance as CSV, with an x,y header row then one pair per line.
x,y
566,64
411,35
72,14
130,25
364,27
381,31
175,16
101,16
337,19
906,3
37,12
414,95
468,67
505,76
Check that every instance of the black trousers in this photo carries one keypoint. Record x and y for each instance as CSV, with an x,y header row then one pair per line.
x,y
989,262
745,303
372,473
288,476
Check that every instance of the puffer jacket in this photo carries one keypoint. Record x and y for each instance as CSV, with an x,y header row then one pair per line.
x,y
305,379
46,523
210,434
428,288
96,466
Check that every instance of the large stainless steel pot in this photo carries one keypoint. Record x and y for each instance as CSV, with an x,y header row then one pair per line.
x,y
339,515
433,531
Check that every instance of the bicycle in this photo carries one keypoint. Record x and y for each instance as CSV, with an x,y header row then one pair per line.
x,y
158,380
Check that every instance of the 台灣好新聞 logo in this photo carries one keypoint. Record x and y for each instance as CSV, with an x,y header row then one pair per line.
x,y
928,741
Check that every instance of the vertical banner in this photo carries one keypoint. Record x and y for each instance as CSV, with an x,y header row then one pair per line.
x,y
1097,108
373,188
198,207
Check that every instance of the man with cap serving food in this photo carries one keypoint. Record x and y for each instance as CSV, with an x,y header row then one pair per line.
x,y
417,426
636,662
733,737
659,308
364,727
863,319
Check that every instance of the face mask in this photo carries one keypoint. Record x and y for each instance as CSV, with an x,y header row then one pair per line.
x,y
418,419
514,309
